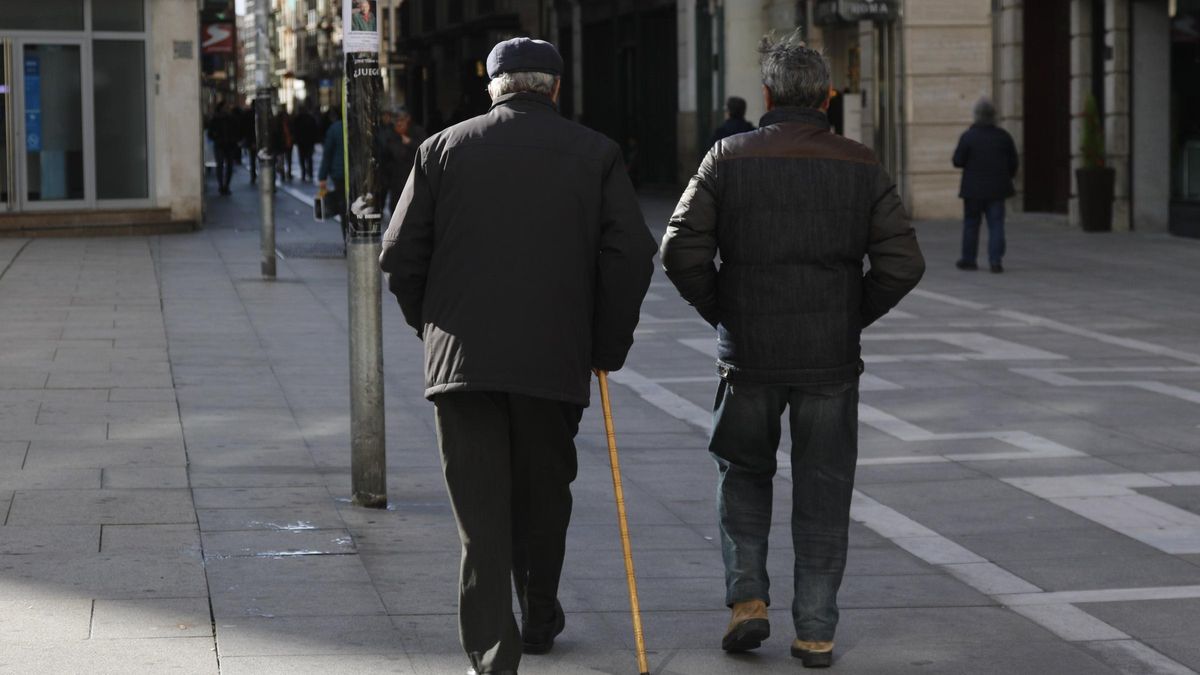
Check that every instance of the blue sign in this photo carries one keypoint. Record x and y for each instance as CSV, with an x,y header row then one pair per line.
x,y
33,103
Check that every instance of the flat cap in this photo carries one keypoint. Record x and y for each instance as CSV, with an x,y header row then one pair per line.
x,y
523,55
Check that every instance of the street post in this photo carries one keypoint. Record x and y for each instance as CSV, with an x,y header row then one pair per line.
x,y
262,134
364,227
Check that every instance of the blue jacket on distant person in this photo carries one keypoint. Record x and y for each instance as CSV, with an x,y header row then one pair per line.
x,y
333,163
988,157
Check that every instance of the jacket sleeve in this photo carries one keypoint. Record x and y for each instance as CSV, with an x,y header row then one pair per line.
x,y
408,246
1014,162
962,152
690,244
896,261
623,268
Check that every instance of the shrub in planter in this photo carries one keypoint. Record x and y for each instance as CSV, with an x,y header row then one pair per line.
x,y
1094,180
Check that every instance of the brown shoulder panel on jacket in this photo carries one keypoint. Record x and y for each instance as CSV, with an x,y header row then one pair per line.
x,y
795,141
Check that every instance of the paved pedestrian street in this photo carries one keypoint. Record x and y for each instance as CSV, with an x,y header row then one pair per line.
x,y
174,470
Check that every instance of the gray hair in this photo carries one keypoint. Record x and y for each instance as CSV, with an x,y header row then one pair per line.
x,y
794,74
512,83
984,111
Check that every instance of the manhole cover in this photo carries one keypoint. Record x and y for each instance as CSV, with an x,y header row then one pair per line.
x,y
312,250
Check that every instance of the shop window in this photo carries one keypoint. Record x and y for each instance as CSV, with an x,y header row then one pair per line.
x,y
42,15
119,15
119,84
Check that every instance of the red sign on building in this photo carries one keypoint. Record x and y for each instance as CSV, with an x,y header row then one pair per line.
x,y
218,39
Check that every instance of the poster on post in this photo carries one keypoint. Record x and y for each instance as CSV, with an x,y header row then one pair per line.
x,y
360,26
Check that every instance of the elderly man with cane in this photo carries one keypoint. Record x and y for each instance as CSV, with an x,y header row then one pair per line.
x,y
519,254
792,210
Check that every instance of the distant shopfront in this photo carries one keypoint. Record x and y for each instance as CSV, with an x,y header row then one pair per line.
x,y
99,104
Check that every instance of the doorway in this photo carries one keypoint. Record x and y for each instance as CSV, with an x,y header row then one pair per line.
x,y
1047,101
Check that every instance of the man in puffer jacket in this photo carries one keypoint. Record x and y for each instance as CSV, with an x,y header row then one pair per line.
x,y
792,210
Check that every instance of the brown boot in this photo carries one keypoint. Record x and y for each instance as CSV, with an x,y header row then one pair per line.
x,y
813,654
748,627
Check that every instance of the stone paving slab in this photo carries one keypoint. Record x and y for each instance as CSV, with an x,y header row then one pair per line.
x,y
157,618
108,507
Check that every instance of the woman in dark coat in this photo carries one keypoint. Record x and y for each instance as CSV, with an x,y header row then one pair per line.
x,y
988,157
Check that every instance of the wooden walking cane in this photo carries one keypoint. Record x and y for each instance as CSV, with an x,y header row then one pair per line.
x,y
635,609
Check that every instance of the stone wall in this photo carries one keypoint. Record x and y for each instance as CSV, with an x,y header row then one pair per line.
x,y
175,92
947,48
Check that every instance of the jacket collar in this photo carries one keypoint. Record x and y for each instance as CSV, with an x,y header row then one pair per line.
x,y
524,97
795,114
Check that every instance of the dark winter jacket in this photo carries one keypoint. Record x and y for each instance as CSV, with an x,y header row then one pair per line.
x,y
307,129
396,157
519,254
223,130
988,158
792,209
733,125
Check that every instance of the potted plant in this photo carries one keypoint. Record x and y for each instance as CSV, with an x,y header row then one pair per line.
x,y
1094,180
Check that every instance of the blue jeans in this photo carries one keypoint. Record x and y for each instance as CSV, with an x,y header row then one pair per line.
x,y
745,438
974,211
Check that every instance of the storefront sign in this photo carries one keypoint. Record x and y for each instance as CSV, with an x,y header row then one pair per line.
x,y
852,11
33,103
360,26
218,39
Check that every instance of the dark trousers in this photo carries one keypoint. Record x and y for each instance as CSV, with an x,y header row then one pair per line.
x,y
306,161
509,461
252,155
283,163
974,211
226,157
745,438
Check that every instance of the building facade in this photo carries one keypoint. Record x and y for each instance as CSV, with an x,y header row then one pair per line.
x,y
653,75
909,72
100,123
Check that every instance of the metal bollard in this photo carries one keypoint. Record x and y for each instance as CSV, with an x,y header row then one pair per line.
x,y
262,132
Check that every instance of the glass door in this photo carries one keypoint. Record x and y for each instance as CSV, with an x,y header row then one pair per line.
x,y
6,128
50,152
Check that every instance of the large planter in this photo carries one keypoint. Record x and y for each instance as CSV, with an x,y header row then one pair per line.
x,y
1096,186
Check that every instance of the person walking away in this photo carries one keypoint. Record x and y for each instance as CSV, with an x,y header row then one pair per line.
x,y
223,131
250,141
332,175
283,140
988,157
398,151
519,254
735,120
791,209
307,136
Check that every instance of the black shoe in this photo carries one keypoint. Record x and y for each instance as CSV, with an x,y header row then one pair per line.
x,y
811,659
963,265
997,268
541,640
746,636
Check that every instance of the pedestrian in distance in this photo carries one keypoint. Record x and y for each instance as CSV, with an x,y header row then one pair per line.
x,y
988,157
332,175
249,140
397,151
282,143
792,210
307,131
519,254
223,132
735,120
